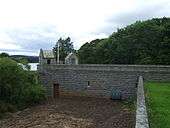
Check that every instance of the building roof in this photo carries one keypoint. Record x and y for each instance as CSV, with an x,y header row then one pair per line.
x,y
70,55
48,54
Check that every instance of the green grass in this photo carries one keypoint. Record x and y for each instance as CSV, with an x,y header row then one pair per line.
x,y
158,104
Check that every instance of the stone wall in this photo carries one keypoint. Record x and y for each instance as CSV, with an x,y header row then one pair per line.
x,y
99,80
141,112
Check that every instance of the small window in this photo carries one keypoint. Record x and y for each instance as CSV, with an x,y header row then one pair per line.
x,y
48,61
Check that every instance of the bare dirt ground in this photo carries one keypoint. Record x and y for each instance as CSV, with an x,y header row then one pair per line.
x,y
74,112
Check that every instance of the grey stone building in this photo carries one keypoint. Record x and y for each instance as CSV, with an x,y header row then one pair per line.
x,y
46,57
96,80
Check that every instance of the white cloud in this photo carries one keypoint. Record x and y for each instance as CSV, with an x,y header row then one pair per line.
x,y
9,45
82,20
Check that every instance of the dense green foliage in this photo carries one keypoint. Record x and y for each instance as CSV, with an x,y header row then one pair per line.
x,y
21,58
65,47
29,59
18,87
3,54
144,42
157,97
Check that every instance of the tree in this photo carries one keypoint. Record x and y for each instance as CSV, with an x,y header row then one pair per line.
x,y
18,86
3,54
144,42
87,52
65,47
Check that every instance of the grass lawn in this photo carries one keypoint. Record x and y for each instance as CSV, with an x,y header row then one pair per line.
x,y
158,104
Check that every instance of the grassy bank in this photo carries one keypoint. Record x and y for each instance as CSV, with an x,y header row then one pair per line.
x,y
158,104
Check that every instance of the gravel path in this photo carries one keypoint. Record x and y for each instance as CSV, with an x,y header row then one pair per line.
x,y
74,112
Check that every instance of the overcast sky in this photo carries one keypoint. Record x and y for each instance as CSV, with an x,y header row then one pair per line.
x,y
28,25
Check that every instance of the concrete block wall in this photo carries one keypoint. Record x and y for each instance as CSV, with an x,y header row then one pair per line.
x,y
99,80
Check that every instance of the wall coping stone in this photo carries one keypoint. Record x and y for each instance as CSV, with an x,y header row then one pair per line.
x,y
107,67
141,112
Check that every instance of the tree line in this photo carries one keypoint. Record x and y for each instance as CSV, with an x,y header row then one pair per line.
x,y
144,42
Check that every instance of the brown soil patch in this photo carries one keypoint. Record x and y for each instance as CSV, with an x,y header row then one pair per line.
x,y
73,112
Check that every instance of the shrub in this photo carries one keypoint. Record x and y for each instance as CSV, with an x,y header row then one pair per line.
x,y
34,94
18,86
